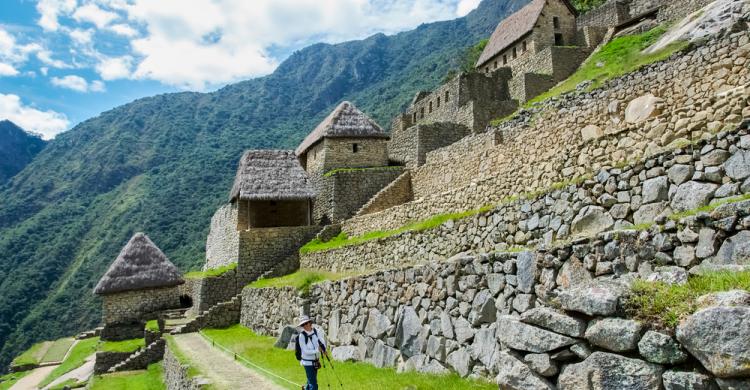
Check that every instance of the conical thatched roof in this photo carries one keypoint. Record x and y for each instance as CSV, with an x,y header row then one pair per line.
x,y
271,175
345,121
141,265
515,27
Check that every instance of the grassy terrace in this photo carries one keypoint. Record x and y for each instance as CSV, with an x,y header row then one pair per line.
x,y
339,170
151,379
76,358
211,273
302,280
122,346
45,352
7,381
665,305
260,351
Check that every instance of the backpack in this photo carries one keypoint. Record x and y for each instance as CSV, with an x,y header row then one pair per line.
x,y
297,348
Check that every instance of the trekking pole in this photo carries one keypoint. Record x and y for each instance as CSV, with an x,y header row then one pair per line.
x,y
328,377
334,371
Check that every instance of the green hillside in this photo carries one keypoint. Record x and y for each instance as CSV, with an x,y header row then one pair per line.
x,y
163,164
17,149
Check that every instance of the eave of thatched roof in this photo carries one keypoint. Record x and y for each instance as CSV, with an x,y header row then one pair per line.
x,y
271,175
511,29
141,265
346,121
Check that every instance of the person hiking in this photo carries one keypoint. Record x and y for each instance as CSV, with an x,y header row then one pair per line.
x,y
309,348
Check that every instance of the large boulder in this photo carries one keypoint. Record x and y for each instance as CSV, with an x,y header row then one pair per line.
x,y
346,353
735,250
605,371
286,334
592,220
515,334
692,195
460,361
526,270
655,190
513,374
614,334
377,324
738,166
643,108
661,348
485,347
408,329
483,309
724,298
555,321
383,355
597,298
719,337
685,380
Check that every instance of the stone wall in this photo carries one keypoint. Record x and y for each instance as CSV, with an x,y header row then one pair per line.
x,y
410,146
677,10
130,306
207,292
336,153
539,72
342,193
690,99
221,315
271,251
680,180
106,360
266,310
610,14
223,238
140,360
177,377
394,194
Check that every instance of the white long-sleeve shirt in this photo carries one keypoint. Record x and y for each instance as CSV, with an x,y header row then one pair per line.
x,y
310,349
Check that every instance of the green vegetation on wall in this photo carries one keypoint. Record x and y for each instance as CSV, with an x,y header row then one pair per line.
x,y
150,379
122,346
302,280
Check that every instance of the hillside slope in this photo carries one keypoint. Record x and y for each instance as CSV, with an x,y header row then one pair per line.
x,y
17,149
163,164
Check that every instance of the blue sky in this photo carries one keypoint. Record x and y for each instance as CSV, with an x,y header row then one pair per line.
x,y
64,61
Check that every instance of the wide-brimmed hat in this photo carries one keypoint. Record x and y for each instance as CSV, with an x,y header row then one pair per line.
x,y
303,320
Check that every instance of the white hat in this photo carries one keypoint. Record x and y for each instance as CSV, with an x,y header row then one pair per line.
x,y
303,320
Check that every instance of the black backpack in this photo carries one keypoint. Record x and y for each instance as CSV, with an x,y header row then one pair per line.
x,y
297,349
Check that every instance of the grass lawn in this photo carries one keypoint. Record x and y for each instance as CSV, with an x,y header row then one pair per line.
x,y
302,280
58,350
260,351
122,346
76,358
152,326
211,273
151,379
33,355
620,56
70,383
664,305
9,380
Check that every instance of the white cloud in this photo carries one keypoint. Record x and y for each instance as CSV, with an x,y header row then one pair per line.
x,y
115,67
12,52
82,37
466,6
124,30
78,84
46,57
48,123
93,14
49,10
7,70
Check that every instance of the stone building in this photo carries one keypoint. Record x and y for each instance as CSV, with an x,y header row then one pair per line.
x,y
346,138
140,282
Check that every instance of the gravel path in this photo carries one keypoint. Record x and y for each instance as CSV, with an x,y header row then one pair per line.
x,y
80,374
219,367
30,381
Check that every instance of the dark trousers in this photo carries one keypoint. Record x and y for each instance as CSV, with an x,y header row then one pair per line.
x,y
312,378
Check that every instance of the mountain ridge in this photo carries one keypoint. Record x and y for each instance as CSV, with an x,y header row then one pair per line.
x,y
162,164
18,148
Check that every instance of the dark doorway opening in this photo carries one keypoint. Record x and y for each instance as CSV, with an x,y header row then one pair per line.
x,y
186,301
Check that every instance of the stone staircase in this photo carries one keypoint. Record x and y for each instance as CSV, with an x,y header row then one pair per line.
x,y
220,315
140,360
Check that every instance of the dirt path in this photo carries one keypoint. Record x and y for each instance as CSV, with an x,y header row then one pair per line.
x,y
80,374
219,367
30,381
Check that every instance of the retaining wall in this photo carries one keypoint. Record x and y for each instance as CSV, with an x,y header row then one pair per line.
x,y
266,310
176,376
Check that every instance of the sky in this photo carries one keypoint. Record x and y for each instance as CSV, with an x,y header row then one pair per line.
x,y
64,61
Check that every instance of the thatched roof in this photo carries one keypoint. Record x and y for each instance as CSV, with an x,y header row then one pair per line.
x,y
141,265
514,27
345,121
271,175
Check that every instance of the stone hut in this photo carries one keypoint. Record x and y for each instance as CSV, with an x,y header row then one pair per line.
x,y
140,282
271,190
347,138
537,26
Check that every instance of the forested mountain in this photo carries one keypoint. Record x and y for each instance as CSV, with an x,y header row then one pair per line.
x,y
163,164
17,149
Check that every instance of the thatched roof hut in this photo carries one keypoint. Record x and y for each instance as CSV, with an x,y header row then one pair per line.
x,y
346,121
141,265
514,28
271,175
